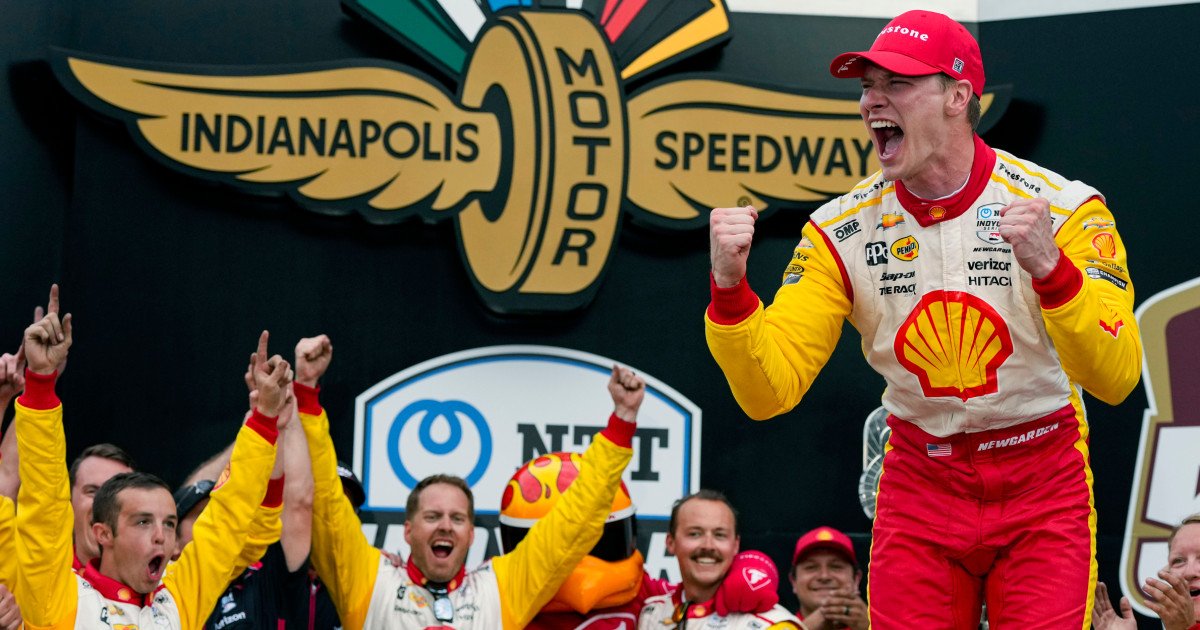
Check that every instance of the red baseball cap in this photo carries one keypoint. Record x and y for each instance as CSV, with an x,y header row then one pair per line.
x,y
824,538
919,43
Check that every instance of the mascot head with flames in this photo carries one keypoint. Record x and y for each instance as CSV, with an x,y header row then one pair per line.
x,y
611,574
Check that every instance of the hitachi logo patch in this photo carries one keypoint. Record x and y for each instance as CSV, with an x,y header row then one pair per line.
x,y
1018,439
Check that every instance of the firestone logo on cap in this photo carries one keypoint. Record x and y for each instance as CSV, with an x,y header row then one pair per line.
x,y
904,30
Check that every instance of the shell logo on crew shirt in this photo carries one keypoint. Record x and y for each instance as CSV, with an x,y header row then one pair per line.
x,y
535,157
953,342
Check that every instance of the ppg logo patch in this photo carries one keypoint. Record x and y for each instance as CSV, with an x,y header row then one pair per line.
x,y
876,253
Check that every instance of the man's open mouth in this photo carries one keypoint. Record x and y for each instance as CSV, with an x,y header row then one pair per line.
x,y
154,568
442,548
888,137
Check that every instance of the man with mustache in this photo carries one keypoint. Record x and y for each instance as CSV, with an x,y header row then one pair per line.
x,y
702,534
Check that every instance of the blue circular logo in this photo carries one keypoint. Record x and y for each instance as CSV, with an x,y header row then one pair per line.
x,y
986,212
431,412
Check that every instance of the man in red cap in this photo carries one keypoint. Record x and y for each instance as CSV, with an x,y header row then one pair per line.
x,y
990,293
825,578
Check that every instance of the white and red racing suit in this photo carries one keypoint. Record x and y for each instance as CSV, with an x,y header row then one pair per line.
x,y
507,591
238,524
986,487
669,611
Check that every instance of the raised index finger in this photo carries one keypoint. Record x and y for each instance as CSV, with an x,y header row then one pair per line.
x,y
52,304
262,348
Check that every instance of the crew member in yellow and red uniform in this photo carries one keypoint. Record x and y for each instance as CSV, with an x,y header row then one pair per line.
x,y
131,585
434,589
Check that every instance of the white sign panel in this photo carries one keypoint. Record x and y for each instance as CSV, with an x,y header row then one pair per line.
x,y
480,414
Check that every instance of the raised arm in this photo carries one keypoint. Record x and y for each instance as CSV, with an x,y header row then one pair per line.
x,y
345,560
44,519
771,356
208,564
12,382
1087,304
312,358
531,574
296,536
8,542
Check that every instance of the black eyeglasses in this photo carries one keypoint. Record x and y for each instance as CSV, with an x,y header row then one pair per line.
x,y
443,608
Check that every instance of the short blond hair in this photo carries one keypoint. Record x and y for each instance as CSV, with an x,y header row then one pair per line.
x,y
974,109
1189,520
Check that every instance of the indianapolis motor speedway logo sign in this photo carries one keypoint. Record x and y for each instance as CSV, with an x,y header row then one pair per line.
x,y
536,156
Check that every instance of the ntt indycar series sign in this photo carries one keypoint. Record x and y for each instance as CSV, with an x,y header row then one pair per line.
x,y
536,155
481,414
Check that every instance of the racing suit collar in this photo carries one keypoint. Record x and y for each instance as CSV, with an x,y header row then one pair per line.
x,y
109,588
419,578
693,610
928,212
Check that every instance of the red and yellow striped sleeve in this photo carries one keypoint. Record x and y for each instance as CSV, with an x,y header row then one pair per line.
x,y
222,532
345,560
771,356
531,574
8,543
264,529
1087,305
46,584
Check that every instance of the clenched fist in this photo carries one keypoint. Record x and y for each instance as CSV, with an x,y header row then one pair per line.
x,y
1026,225
730,234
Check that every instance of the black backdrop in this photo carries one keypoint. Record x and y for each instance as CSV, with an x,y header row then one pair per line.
x,y
171,278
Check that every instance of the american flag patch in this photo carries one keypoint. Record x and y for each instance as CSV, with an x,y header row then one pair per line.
x,y
937,450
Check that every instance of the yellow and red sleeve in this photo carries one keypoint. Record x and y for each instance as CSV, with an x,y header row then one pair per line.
x,y
222,534
771,356
345,560
265,529
1090,316
8,543
46,588
530,575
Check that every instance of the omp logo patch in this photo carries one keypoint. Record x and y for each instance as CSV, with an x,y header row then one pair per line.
x,y
534,157
847,229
